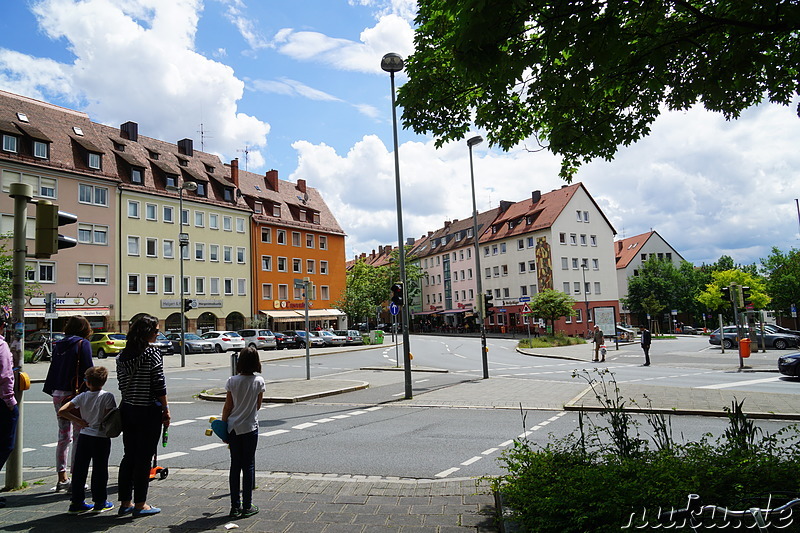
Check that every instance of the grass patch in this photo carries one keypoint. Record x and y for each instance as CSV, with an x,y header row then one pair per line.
x,y
550,341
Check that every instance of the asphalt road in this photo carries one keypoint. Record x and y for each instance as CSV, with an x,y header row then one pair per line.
x,y
369,433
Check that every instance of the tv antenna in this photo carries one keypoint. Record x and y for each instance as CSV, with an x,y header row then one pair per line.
x,y
246,153
203,136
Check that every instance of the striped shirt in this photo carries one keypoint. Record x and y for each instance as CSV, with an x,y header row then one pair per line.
x,y
141,378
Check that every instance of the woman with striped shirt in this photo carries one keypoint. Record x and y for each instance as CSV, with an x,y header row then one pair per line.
x,y
140,372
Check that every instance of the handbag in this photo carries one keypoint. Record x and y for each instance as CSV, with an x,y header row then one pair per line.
x,y
112,423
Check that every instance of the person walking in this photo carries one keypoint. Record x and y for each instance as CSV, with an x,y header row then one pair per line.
x,y
72,356
645,338
245,392
144,409
598,340
87,410
9,411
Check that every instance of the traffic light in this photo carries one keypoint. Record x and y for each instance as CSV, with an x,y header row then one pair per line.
x,y
189,304
746,302
479,305
397,294
48,220
488,307
726,294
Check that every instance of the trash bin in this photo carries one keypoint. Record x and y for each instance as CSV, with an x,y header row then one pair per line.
x,y
744,347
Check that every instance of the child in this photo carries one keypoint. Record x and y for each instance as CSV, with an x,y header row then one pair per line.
x,y
93,446
245,393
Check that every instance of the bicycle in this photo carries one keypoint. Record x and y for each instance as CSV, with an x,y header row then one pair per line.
x,y
694,510
42,352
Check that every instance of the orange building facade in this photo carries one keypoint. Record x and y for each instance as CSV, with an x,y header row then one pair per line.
x,y
295,238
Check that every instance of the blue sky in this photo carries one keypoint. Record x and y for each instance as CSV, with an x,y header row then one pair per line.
x,y
297,83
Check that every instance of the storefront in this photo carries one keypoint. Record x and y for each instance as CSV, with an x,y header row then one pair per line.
x,y
36,320
292,319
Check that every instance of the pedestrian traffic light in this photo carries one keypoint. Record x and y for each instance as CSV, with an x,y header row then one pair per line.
x,y
48,220
397,294
726,294
189,304
488,307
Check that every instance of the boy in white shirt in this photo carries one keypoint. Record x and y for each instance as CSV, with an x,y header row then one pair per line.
x,y
93,445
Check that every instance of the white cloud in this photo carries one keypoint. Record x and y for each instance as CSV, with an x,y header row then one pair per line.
x,y
135,60
391,34
235,12
291,87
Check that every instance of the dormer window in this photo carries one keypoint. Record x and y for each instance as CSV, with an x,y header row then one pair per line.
x,y
153,155
302,215
9,143
22,117
118,146
276,210
41,149
227,194
209,168
171,180
183,162
94,160
201,189
315,218
137,176
77,130
258,208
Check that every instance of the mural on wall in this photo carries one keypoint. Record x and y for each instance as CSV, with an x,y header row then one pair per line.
x,y
544,264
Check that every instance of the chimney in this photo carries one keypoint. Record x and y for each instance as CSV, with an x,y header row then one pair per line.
x,y
271,179
372,254
235,172
380,250
410,241
130,131
185,147
504,205
536,196
301,185
446,224
430,233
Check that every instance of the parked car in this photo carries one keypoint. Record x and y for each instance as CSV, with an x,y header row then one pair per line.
x,y
260,339
688,330
284,341
352,337
37,338
779,341
300,338
225,341
789,365
780,329
194,343
107,343
330,338
164,344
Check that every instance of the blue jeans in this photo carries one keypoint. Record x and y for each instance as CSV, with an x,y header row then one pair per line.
x,y
8,431
95,450
243,460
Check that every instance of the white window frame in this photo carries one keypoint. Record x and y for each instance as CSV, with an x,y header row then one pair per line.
x,y
135,278
133,209
133,245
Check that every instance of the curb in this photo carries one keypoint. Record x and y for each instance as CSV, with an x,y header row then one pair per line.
x,y
219,394
400,369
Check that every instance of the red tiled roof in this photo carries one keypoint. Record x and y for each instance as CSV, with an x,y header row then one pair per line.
x,y
627,249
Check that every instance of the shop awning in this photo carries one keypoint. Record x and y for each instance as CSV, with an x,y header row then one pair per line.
x,y
69,311
453,311
285,315
426,313
293,315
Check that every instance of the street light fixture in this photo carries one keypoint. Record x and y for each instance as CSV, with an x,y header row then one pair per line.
x,y
392,63
584,268
479,276
183,240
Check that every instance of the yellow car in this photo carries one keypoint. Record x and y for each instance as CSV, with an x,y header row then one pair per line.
x,y
107,343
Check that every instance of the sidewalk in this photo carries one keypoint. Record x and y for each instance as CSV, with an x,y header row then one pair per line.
x,y
198,500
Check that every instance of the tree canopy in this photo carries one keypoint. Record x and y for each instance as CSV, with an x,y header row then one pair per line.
x,y
552,305
586,76
783,278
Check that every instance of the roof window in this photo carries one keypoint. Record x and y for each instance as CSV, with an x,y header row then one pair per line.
x,y
77,130
23,117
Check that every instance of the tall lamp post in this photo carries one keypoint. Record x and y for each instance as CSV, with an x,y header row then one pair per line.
x,y
584,268
392,63
479,275
183,240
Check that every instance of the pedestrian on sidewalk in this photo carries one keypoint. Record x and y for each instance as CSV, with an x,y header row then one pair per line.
x,y
87,411
144,408
72,356
240,412
9,411
646,338
598,339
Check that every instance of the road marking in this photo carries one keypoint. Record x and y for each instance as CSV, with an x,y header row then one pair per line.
x,y
208,417
324,420
206,447
374,408
304,426
182,422
445,473
472,460
507,443
51,445
171,455
180,403
356,413
490,451
28,450
421,380
39,402
274,432
740,383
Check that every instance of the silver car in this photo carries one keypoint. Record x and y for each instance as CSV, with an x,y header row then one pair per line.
x,y
260,339
331,339
225,341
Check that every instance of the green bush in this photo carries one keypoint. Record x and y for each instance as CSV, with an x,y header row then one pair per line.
x,y
598,480
549,341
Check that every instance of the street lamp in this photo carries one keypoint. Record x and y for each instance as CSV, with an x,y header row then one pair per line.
x,y
183,240
584,268
479,275
392,63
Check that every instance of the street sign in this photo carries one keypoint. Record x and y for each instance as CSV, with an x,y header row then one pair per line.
x,y
524,298
394,309
526,309
298,283
51,316
794,310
